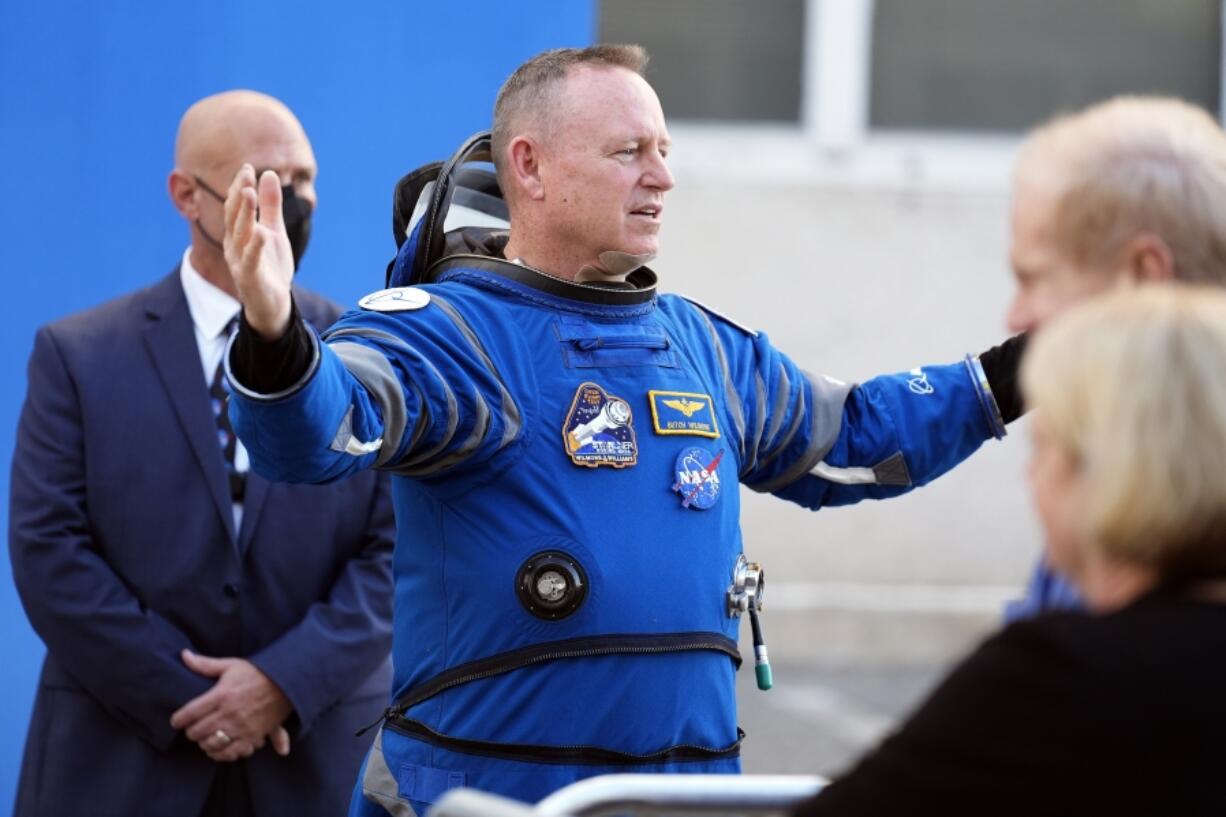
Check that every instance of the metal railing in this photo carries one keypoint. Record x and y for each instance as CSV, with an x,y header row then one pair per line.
x,y
644,795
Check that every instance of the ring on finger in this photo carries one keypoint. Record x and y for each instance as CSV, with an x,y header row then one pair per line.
x,y
223,737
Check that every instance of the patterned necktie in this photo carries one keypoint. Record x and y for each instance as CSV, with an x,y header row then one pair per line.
x,y
225,432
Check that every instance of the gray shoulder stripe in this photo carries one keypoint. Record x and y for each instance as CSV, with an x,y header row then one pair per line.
x,y
419,467
512,420
755,441
798,416
829,397
388,339
375,373
779,407
364,332
423,419
453,422
734,399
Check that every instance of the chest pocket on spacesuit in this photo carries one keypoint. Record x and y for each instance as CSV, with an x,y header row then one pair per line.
x,y
587,345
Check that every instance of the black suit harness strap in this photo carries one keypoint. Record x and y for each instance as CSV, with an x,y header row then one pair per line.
x,y
585,647
565,755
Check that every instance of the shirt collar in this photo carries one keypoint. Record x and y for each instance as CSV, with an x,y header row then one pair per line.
x,y
211,308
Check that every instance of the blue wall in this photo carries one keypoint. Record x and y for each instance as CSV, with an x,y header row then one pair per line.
x,y
90,97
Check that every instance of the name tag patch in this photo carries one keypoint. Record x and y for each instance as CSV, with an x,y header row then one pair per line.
x,y
679,412
599,429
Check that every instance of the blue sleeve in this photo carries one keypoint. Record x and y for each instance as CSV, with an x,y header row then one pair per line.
x,y
818,441
1047,591
897,432
415,393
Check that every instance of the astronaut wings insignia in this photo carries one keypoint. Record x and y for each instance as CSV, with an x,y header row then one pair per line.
x,y
686,407
679,412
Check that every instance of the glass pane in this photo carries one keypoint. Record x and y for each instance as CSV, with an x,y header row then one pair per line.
x,y
716,59
1007,64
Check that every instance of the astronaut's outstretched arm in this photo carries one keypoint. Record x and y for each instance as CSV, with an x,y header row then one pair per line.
x,y
414,392
819,441
898,432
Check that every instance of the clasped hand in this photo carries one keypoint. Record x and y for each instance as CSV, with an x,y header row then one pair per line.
x,y
242,711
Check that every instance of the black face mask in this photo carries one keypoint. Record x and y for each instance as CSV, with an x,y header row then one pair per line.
x,y
295,212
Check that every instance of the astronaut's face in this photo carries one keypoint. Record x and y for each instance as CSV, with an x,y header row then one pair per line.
x,y
603,170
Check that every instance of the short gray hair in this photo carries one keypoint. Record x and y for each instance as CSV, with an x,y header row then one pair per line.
x,y
1129,165
530,90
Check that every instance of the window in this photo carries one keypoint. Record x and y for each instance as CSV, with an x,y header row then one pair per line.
x,y
730,60
1006,65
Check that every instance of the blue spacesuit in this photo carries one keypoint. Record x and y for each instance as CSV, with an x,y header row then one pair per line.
x,y
567,459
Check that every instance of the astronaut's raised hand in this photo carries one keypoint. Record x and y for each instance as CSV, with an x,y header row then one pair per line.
x,y
258,251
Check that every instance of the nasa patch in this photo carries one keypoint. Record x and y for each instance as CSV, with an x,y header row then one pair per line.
x,y
599,429
680,412
396,299
698,477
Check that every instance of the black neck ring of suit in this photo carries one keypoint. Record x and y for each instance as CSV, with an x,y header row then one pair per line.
x,y
641,289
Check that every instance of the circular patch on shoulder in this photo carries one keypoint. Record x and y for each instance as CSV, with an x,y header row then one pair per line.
x,y
396,299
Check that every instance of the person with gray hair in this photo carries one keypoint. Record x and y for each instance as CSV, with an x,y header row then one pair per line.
x,y
1119,712
1126,191
567,446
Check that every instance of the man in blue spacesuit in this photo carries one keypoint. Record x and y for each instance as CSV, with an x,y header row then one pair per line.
x,y
566,444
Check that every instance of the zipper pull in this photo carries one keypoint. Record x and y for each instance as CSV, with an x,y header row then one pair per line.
x,y
390,712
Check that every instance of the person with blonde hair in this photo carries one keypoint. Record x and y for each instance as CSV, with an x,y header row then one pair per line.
x,y
1129,190
1119,712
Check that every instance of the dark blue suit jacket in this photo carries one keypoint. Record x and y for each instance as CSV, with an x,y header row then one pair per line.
x,y
123,548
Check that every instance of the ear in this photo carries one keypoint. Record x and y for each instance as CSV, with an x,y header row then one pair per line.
x,y
182,189
524,164
1146,257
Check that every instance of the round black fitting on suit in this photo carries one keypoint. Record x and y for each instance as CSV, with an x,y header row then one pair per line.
x,y
551,585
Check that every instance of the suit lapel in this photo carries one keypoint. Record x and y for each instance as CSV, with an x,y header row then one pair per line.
x,y
253,505
172,345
